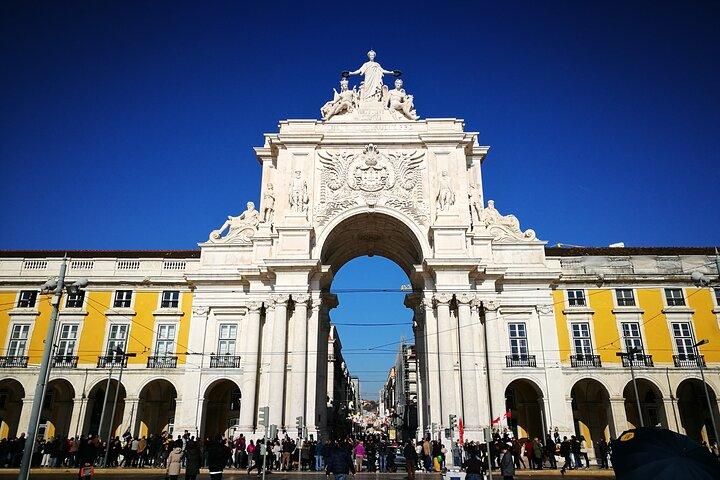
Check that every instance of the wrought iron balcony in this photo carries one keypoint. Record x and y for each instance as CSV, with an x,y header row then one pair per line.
x,y
688,360
164,361
638,360
520,361
586,361
13,362
224,361
64,361
111,361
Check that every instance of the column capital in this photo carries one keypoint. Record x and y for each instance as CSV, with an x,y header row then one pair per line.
x,y
442,299
201,311
545,309
280,298
490,305
254,306
301,298
465,298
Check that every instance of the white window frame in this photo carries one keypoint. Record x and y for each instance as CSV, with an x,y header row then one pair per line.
x,y
635,340
589,339
111,351
517,334
26,341
620,300
129,301
177,300
68,297
61,341
669,299
575,301
171,342
20,298
224,339
688,342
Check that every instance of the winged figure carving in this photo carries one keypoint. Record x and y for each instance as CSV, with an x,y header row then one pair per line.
x,y
406,164
336,164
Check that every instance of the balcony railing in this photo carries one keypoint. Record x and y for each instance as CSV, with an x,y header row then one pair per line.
x,y
688,360
225,361
13,362
164,361
112,361
638,360
64,361
520,361
587,361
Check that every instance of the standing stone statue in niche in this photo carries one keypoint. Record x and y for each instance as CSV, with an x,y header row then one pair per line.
x,y
446,196
476,203
398,101
345,101
241,228
372,72
269,204
299,198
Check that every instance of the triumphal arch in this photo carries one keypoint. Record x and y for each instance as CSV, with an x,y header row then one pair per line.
x,y
369,178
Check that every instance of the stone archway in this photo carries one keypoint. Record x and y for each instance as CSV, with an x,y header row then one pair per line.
x,y
591,411
95,407
694,414
524,401
651,404
156,408
12,395
221,409
57,409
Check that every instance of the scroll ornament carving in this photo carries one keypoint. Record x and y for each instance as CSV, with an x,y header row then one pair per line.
x,y
465,298
254,306
490,305
371,178
240,229
442,298
503,227
301,298
201,311
545,309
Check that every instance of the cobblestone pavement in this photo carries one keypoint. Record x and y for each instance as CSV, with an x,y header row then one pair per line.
x,y
159,474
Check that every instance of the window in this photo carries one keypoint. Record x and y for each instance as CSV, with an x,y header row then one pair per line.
x,y
67,340
632,337
226,341
165,342
75,300
625,297
717,297
576,298
18,340
684,341
27,299
170,299
674,297
117,338
581,339
518,339
123,298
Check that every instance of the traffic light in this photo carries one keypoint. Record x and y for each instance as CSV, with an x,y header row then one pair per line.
x,y
263,416
299,423
273,432
453,422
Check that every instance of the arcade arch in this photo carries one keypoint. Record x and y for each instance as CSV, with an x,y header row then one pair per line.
x,y
592,416
156,408
57,409
95,405
12,395
693,407
651,404
221,408
524,400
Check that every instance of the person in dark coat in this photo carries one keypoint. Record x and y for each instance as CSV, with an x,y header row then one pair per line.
x,y
218,455
193,458
411,459
339,462
507,464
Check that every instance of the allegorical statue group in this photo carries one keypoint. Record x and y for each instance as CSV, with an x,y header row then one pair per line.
x,y
371,91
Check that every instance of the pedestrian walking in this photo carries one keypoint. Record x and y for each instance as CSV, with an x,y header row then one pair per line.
x,y
411,459
193,457
339,462
507,465
174,462
218,454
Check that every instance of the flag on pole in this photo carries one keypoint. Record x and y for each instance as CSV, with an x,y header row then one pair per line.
x,y
497,420
462,432
507,414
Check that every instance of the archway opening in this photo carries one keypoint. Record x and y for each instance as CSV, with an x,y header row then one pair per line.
x,y
651,404
95,405
156,409
524,401
373,258
591,411
57,409
221,409
11,405
694,413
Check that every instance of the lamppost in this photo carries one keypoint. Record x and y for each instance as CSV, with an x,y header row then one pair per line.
x,y
123,358
705,341
56,287
630,354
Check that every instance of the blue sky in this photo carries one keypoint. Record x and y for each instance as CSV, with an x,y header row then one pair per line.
x,y
130,124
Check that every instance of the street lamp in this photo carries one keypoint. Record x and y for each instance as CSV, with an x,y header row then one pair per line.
x,y
705,341
630,354
56,287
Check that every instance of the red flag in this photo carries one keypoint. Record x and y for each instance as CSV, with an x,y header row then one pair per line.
x,y
507,414
497,420
462,432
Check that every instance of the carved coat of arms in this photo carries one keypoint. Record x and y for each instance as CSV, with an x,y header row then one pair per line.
x,y
371,178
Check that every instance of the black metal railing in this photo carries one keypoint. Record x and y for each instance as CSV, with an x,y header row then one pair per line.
x,y
224,361
688,360
64,361
587,360
638,360
13,362
114,361
164,361
520,361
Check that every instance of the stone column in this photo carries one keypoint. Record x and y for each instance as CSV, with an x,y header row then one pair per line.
x,y
250,369
298,380
129,412
25,411
311,386
74,430
620,422
189,415
276,399
670,409
470,412
496,359
445,339
433,363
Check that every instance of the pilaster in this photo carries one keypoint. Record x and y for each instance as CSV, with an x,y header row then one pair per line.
x,y
298,380
250,369
276,399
